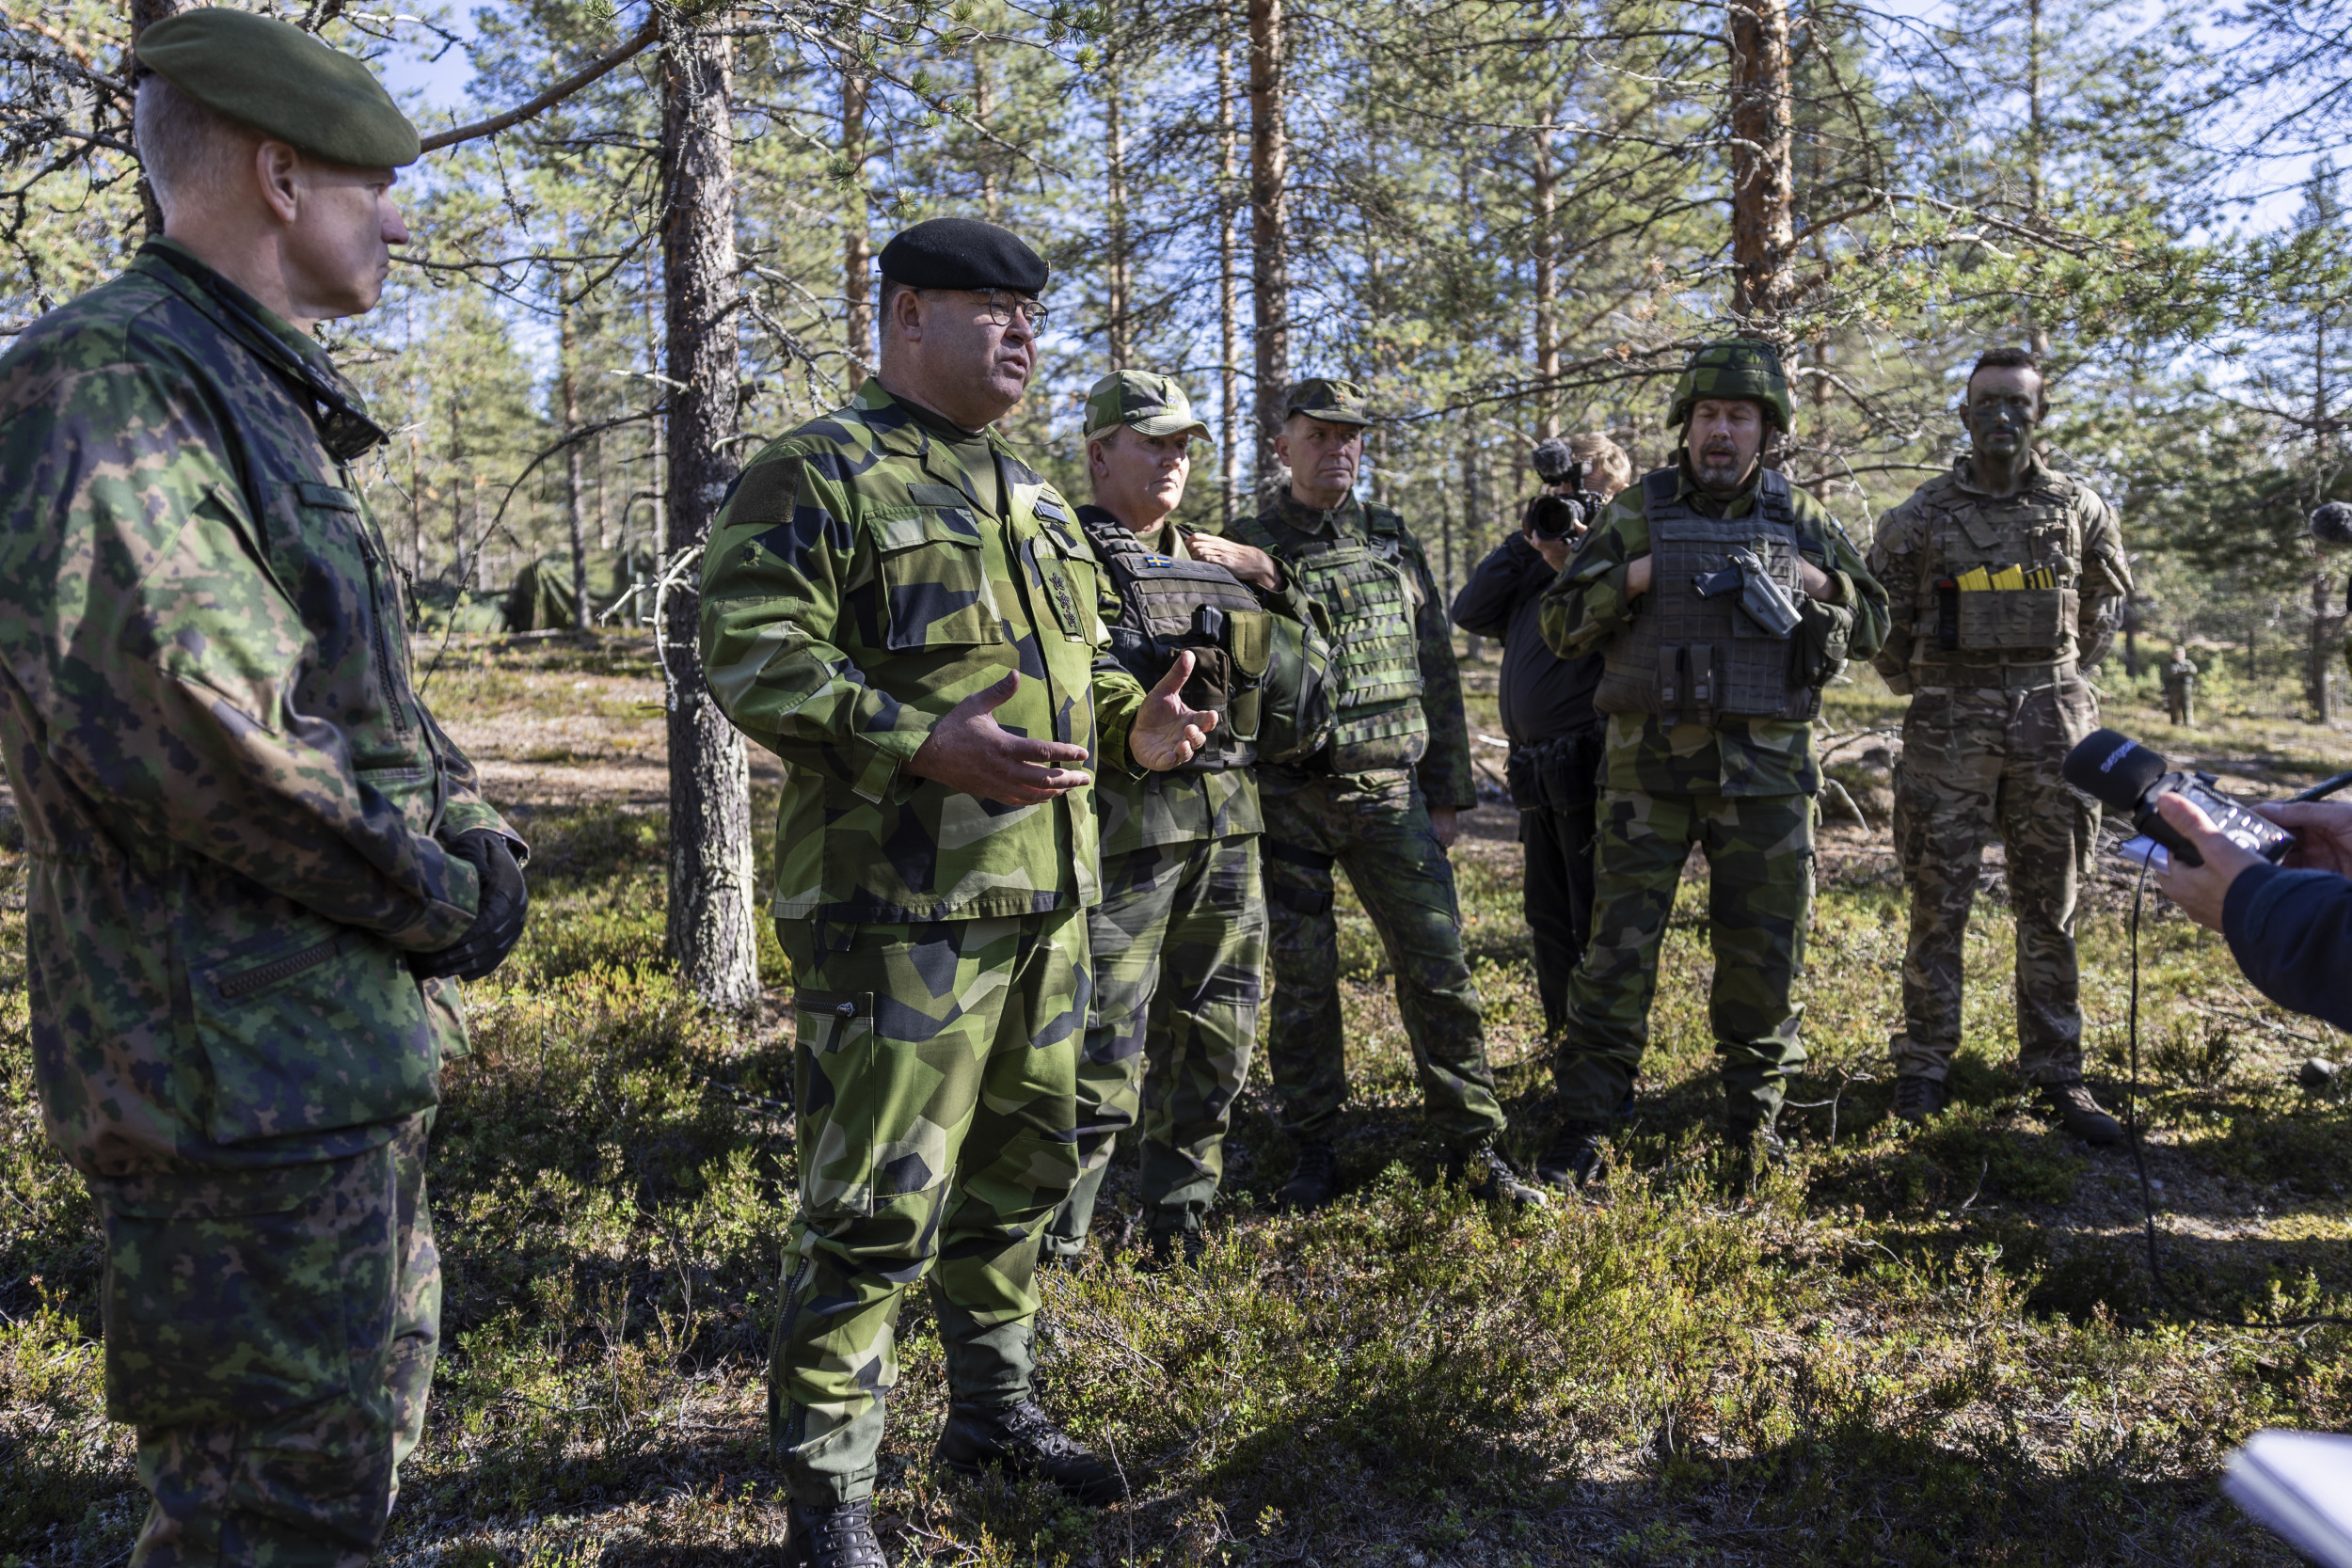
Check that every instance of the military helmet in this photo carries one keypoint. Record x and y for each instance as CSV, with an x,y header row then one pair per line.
x,y
1734,368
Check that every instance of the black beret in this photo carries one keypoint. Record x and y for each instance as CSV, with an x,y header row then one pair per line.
x,y
962,253
284,82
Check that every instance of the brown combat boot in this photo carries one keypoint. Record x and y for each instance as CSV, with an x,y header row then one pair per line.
x,y
2080,1115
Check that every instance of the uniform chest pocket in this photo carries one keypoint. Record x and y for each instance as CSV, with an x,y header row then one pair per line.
x,y
1066,580
934,578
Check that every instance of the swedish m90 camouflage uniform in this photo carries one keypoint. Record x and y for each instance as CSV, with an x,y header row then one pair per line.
x,y
1679,772
1179,938
1401,744
1997,700
874,568
231,797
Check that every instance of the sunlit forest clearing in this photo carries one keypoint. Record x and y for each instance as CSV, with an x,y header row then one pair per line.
x,y
1914,1347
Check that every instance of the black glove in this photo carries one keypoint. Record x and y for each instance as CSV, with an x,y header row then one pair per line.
x,y
498,924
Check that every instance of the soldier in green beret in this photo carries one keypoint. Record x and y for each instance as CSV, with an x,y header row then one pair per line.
x,y
900,608
1378,800
1721,600
258,867
1179,938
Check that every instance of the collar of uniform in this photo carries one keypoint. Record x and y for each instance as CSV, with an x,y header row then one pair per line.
x,y
1307,520
1165,540
189,276
2036,474
902,434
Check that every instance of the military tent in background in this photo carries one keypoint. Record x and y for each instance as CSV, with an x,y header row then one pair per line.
x,y
541,599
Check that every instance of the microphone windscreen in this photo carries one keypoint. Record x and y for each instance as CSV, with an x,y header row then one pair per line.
x,y
2113,768
2332,524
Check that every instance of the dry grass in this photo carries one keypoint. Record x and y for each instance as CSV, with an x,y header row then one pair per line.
x,y
1914,1348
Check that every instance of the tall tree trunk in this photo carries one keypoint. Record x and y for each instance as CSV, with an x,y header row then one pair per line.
x,y
2320,658
1119,284
145,14
857,245
1228,254
2036,334
1269,225
991,197
575,468
1546,184
711,932
1763,218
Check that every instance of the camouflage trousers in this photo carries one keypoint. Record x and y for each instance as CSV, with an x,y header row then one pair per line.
x,y
932,1072
1179,945
1759,864
1977,766
1374,827
271,1335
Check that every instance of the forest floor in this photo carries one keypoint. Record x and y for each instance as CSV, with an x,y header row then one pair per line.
x,y
1911,1347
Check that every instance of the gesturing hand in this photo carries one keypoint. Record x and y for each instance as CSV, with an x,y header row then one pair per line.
x,y
1246,561
970,753
1165,732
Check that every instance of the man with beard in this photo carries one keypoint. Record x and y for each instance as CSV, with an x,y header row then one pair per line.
x,y
1721,600
909,615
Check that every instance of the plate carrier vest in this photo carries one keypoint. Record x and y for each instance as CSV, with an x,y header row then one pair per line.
x,y
1986,629
1166,605
1688,657
1370,596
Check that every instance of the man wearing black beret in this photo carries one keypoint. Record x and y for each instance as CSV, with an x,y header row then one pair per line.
x,y
901,609
259,868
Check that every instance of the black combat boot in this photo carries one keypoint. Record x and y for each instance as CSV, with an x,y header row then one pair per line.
x,y
1171,1247
1574,1155
1917,1099
2080,1115
836,1535
1315,1179
1022,1440
1492,1180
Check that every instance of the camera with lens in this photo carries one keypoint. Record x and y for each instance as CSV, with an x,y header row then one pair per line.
x,y
2116,771
1566,508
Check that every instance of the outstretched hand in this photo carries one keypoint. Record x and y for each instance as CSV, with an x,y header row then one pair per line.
x,y
1166,732
970,753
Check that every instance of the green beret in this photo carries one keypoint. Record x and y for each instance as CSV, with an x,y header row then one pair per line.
x,y
1328,399
283,82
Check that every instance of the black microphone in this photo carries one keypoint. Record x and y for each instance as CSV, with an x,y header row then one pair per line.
x,y
2331,523
2116,771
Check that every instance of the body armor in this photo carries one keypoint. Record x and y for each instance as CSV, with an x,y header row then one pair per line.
x,y
1695,655
1167,605
1371,595
2032,623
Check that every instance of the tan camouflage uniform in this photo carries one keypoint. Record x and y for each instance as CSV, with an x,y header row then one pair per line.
x,y
873,569
1997,698
231,797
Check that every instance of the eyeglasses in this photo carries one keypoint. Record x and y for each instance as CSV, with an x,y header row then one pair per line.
x,y
1003,307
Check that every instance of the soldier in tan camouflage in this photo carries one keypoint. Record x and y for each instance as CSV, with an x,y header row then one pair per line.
x,y
258,869
2005,579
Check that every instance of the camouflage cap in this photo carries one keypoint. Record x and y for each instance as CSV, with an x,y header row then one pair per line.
x,y
1323,397
277,78
1146,403
1741,368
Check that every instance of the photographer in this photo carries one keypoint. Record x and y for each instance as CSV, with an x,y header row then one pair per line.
x,y
1556,738
2289,925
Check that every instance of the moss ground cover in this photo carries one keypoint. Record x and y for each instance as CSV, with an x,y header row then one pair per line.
x,y
1912,1347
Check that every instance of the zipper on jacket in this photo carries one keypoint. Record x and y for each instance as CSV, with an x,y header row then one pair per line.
x,y
246,982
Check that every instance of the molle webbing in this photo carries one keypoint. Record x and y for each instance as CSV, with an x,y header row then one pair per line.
x,y
1366,588
1168,606
1690,657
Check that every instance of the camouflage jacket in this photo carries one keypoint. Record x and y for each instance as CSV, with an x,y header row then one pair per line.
x,y
1586,607
1948,525
230,790
1283,529
1180,807
854,590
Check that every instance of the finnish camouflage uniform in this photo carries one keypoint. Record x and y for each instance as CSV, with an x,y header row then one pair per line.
x,y
231,797
1400,747
1740,788
872,570
1990,721
1178,943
